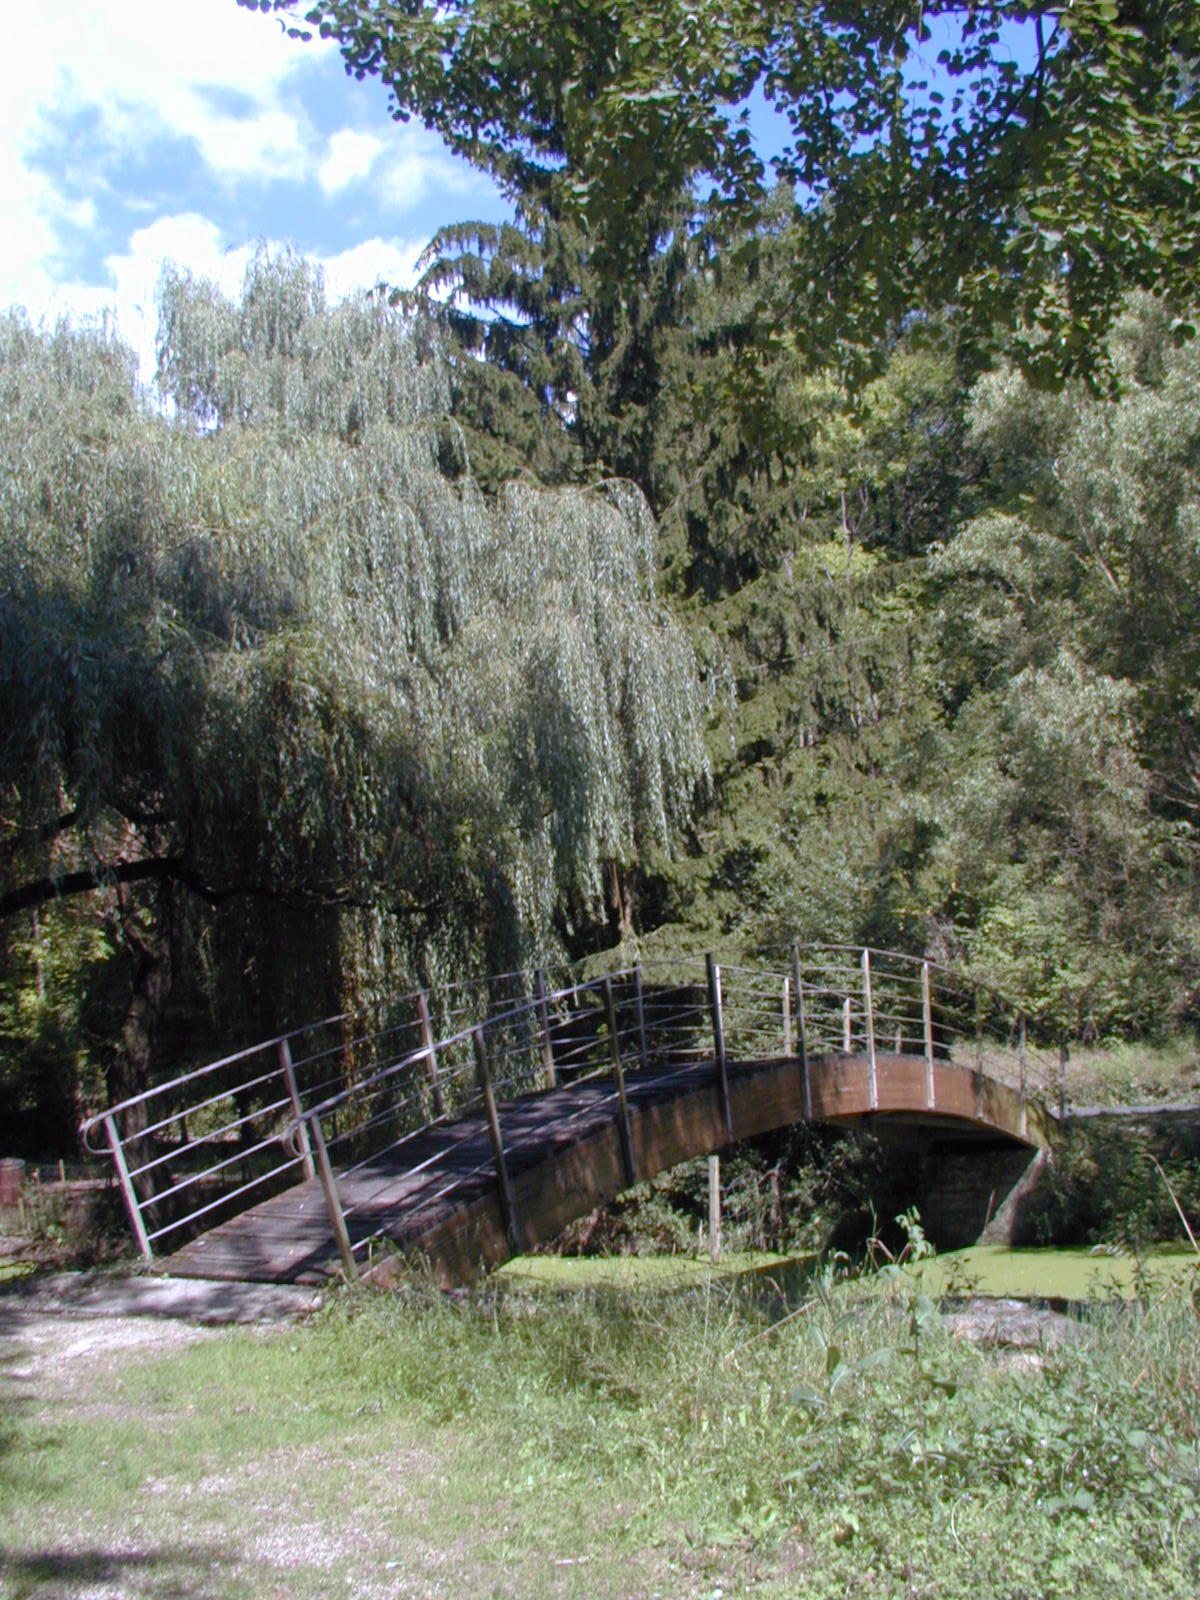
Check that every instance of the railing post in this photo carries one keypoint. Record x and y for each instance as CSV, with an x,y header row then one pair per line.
x,y
289,1078
787,1018
847,1034
640,1001
431,1060
718,1027
869,1020
333,1204
927,1024
801,1030
624,1129
127,1189
543,1011
507,1208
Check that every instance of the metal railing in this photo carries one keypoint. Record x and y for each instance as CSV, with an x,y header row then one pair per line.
x,y
352,1089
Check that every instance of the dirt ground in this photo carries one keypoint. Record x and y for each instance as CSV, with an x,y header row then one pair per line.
x,y
369,1511
66,1340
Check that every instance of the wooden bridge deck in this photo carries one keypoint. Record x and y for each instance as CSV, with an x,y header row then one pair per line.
x,y
437,1195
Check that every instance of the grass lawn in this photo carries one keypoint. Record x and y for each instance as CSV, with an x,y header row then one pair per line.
x,y
615,1442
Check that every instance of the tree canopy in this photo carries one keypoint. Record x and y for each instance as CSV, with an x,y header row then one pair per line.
x,y
382,639
1025,164
283,649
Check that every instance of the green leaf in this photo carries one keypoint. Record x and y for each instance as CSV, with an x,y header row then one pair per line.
x,y
874,1360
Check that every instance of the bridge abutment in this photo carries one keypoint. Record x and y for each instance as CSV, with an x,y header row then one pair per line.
x,y
980,1194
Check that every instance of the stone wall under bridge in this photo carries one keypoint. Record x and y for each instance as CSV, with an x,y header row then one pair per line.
x,y
974,1189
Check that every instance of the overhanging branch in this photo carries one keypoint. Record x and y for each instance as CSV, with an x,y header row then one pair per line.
x,y
173,869
39,891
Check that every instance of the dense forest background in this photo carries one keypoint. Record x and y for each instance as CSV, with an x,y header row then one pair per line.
x,y
714,556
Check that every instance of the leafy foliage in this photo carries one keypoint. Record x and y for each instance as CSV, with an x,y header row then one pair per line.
x,y
1063,619
283,648
1032,181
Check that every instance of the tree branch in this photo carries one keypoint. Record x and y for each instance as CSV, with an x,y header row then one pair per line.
x,y
40,891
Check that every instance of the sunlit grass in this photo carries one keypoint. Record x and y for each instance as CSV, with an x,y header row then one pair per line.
x,y
810,1440
1136,1073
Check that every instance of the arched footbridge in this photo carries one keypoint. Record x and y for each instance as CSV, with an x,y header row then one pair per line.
x,y
466,1124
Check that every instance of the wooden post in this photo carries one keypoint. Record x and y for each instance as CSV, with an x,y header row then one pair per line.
x,y
624,1129
801,1030
640,1002
543,1010
507,1208
714,1208
333,1204
869,1022
289,1078
431,1060
927,1023
1062,1079
718,1027
787,1017
127,1189
847,1036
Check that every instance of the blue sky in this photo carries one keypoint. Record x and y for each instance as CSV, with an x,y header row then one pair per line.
x,y
138,131
134,132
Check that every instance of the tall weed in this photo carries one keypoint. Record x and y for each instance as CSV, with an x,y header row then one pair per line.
x,y
842,1435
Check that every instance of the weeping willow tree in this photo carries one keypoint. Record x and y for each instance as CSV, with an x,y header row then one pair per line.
x,y
282,693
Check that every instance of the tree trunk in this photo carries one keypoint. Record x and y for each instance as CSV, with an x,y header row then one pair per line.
x,y
620,903
128,1071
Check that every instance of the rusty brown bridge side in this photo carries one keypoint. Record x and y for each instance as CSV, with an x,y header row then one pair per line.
x,y
472,1124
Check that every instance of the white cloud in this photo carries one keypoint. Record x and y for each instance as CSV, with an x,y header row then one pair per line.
x,y
374,261
138,76
350,157
271,144
27,229
198,244
419,167
130,57
144,71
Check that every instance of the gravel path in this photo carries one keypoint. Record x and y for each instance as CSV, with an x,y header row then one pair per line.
x,y
68,1330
